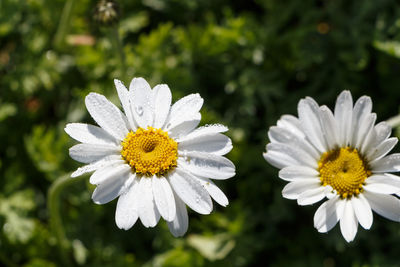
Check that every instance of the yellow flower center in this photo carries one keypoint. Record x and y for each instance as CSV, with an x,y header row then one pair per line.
x,y
345,170
150,151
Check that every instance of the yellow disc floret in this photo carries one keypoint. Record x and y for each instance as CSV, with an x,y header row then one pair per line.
x,y
345,170
150,151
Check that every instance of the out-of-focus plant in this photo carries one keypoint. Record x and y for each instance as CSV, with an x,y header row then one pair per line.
x,y
251,60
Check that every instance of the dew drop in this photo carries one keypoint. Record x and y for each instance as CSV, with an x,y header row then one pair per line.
x,y
139,110
197,200
148,103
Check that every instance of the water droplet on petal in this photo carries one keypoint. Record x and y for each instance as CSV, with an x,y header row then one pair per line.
x,y
139,110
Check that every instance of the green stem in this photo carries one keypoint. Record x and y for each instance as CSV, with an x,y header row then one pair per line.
x,y
56,226
118,47
64,23
394,121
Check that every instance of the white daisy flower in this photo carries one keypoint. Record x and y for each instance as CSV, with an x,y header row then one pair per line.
x,y
152,157
341,156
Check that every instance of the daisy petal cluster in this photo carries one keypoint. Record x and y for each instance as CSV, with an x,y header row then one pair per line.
x,y
340,156
152,156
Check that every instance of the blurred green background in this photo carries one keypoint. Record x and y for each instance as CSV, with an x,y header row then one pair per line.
x,y
250,60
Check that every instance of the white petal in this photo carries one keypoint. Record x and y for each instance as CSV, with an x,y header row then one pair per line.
x,y
207,165
106,161
382,149
392,179
112,188
164,198
328,214
126,213
292,173
348,222
369,143
184,127
189,189
214,191
280,160
292,124
310,121
204,131
217,144
311,196
383,131
364,129
125,98
330,192
343,116
387,206
107,115
281,135
139,84
142,102
179,225
383,184
376,138
293,189
162,104
185,109
362,210
148,213
389,163
298,155
362,109
381,188
88,153
329,126
89,134
109,172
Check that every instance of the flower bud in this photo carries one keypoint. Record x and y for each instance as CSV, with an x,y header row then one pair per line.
x,y
106,12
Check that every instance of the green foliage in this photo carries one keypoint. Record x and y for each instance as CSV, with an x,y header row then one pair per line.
x,y
214,247
47,150
250,60
18,227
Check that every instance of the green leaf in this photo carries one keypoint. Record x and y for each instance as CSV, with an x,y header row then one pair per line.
x,y
7,110
17,226
80,252
389,47
47,150
213,248
177,257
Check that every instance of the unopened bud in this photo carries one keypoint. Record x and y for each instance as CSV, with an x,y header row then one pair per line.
x,y
106,12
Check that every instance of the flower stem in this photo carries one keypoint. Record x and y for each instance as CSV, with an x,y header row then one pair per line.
x,y
64,23
394,121
56,226
118,47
